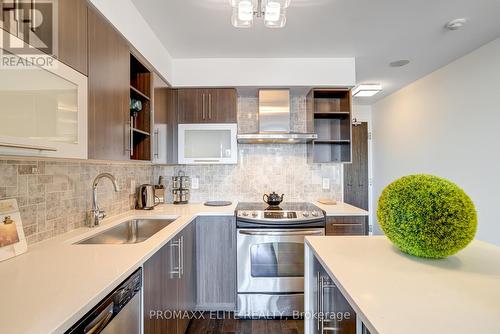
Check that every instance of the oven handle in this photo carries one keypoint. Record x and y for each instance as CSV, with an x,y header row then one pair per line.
x,y
283,232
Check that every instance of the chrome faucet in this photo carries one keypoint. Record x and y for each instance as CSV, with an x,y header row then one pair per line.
x,y
96,214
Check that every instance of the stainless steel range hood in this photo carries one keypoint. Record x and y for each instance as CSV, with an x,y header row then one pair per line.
x,y
274,121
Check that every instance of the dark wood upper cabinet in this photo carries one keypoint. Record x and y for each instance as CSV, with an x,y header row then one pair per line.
x,y
329,115
198,105
109,91
191,105
72,33
223,106
69,17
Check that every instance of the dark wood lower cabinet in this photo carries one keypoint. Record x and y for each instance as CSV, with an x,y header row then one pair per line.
x,y
216,263
170,285
334,313
187,283
357,225
160,292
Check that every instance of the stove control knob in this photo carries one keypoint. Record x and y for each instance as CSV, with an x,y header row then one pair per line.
x,y
254,214
315,213
305,214
244,213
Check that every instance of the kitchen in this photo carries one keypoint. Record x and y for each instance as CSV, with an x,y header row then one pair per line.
x,y
151,182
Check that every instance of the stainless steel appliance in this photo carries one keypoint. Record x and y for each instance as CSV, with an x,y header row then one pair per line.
x,y
146,199
274,121
180,188
270,256
119,313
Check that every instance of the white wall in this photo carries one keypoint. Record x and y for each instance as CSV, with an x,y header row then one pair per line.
x,y
265,72
126,18
447,124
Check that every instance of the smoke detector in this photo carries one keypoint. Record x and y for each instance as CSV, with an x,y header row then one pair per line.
x,y
455,24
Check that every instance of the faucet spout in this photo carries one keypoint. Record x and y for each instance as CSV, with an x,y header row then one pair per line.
x,y
108,176
96,214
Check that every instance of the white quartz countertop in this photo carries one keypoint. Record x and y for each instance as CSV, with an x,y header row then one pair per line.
x,y
395,293
341,209
55,283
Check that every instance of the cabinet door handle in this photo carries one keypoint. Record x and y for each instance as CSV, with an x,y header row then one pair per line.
x,y
17,17
16,11
318,301
29,147
157,144
351,225
33,15
126,141
181,256
206,160
203,106
175,269
131,136
210,106
325,284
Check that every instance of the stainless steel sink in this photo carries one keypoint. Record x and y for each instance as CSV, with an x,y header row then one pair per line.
x,y
128,232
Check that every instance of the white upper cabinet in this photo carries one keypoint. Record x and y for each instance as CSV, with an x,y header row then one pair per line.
x,y
43,107
208,143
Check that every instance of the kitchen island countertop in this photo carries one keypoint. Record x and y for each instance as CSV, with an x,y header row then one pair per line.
x,y
395,293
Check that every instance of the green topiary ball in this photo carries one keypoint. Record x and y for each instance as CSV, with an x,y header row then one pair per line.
x,y
427,216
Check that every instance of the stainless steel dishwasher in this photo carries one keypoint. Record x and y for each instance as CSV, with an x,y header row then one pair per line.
x,y
118,313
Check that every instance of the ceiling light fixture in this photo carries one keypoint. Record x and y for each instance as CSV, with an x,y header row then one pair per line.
x,y
366,90
273,12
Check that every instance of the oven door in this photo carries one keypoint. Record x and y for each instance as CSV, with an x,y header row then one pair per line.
x,y
272,260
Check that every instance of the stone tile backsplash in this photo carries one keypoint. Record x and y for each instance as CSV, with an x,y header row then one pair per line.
x,y
262,168
54,196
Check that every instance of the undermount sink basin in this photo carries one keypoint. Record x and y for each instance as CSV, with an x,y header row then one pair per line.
x,y
128,232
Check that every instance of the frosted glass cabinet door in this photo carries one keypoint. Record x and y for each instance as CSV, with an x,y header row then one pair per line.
x,y
43,110
207,144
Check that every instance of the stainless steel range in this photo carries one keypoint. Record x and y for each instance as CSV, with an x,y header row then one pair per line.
x,y
271,256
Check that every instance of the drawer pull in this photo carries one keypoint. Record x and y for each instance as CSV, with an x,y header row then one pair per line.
x,y
347,225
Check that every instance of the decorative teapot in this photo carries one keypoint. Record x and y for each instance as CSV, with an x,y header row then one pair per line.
x,y
273,199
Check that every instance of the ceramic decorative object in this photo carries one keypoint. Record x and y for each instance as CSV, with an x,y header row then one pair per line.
x,y
427,216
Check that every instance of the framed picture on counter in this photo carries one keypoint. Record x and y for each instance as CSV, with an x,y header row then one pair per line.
x,y
12,240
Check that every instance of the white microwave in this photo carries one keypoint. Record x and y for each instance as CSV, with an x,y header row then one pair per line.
x,y
207,144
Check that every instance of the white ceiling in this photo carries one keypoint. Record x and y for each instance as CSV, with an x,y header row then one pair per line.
x,y
375,32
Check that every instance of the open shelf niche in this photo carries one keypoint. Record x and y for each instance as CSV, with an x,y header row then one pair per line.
x,y
140,110
329,115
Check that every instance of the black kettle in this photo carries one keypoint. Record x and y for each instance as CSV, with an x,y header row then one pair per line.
x,y
273,199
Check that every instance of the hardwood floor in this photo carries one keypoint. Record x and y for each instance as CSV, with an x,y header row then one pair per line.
x,y
227,324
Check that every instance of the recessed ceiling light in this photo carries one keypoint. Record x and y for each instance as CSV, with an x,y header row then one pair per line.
x,y
399,63
366,90
455,24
